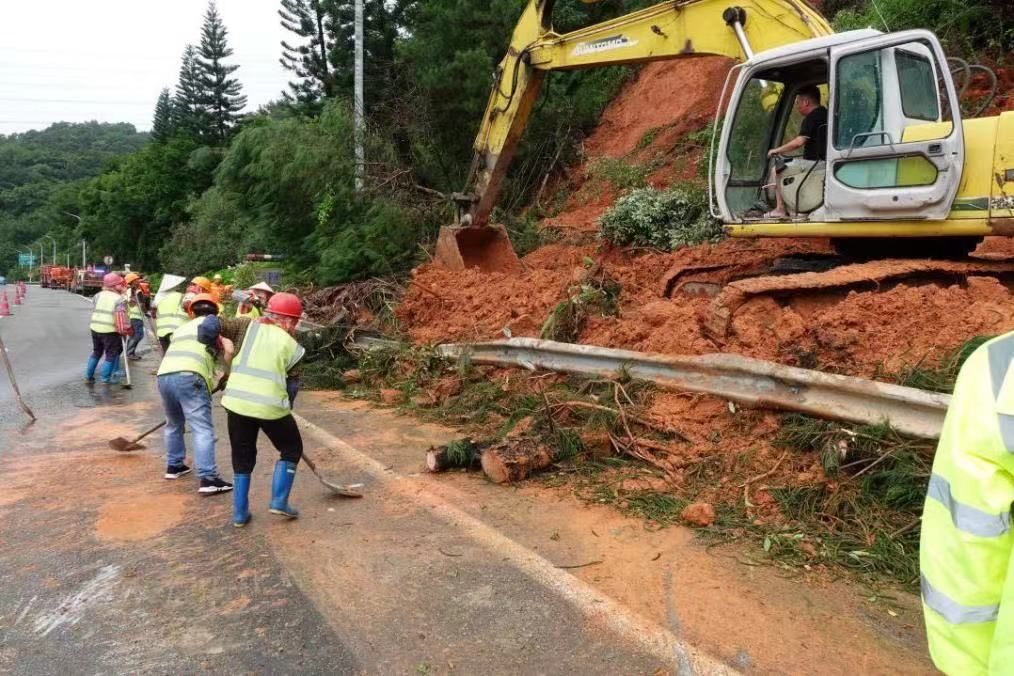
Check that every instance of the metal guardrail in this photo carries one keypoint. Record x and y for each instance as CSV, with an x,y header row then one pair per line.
x,y
751,382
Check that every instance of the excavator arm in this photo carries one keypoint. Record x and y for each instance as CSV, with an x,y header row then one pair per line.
x,y
669,30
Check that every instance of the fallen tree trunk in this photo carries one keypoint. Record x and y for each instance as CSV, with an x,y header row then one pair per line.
x,y
460,453
515,460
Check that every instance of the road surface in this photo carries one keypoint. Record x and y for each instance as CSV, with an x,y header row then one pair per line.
x,y
107,568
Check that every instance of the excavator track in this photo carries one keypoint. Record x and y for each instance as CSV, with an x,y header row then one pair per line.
x,y
847,277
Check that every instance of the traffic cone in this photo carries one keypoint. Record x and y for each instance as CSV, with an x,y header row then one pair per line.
x,y
17,298
5,309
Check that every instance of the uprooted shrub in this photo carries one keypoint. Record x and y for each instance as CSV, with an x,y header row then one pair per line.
x,y
661,219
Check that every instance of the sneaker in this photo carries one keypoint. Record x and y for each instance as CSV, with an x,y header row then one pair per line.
x,y
214,485
176,471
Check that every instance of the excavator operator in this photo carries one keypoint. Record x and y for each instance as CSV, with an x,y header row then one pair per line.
x,y
812,138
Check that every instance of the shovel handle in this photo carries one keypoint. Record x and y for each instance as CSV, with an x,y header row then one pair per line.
x,y
156,428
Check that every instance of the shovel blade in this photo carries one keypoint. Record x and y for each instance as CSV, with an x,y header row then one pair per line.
x,y
349,491
124,445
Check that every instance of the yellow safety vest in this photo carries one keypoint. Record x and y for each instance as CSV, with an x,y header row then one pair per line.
x,y
252,313
134,308
169,315
187,354
967,571
103,315
256,386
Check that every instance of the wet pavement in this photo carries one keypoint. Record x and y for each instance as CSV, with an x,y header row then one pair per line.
x,y
106,567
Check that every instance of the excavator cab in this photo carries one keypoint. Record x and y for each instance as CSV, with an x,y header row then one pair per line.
x,y
894,144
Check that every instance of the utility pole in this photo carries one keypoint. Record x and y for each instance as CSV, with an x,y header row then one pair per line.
x,y
84,256
360,108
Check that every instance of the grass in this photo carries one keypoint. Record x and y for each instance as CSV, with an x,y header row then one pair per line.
x,y
864,518
619,173
598,295
941,378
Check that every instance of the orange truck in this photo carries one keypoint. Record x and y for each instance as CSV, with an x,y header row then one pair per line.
x,y
60,277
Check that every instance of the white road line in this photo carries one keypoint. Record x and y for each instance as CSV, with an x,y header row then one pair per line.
x,y
28,606
649,636
72,609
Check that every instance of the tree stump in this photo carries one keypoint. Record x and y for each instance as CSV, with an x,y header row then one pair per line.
x,y
515,459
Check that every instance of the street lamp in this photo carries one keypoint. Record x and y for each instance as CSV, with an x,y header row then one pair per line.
x,y
54,246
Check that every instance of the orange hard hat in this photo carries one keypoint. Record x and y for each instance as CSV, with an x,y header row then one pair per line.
x,y
202,282
200,299
111,280
286,305
131,277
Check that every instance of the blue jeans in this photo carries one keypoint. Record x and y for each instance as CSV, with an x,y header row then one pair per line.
x,y
138,326
186,401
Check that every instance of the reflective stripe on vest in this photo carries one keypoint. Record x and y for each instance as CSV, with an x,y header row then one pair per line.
x,y
256,386
169,314
967,536
187,354
103,316
954,612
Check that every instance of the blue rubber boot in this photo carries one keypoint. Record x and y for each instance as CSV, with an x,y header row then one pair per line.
x,y
106,375
240,500
281,485
90,367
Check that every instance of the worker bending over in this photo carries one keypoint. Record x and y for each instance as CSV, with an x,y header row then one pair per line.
x,y
106,340
259,396
169,316
185,384
967,570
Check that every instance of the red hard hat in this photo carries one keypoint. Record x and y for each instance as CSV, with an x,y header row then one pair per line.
x,y
112,279
286,305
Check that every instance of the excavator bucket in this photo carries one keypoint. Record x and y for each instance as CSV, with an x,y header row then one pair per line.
x,y
487,248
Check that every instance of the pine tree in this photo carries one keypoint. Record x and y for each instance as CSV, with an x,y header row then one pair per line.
x,y
190,116
163,125
310,59
222,94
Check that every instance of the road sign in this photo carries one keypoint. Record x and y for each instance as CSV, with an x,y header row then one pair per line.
x,y
108,260
26,260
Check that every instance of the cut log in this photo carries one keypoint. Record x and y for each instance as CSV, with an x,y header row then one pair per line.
x,y
459,453
515,460
437,460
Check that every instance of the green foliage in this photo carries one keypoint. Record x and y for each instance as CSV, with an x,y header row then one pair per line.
x,y
618,172
941,378
220,92
881,486
597,296
966,27
661,219
244,276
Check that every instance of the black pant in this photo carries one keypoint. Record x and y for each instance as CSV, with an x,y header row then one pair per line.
x,y
109,344
164,342
283,433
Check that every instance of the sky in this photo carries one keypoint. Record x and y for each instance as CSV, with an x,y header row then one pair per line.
x,y
107,60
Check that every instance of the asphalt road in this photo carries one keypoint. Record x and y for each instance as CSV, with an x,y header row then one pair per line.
x,y
47,338
108,568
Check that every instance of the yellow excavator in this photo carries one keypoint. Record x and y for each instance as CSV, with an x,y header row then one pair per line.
x,y
904,175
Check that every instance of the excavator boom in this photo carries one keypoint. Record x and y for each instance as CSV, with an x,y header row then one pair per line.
x,y
669,30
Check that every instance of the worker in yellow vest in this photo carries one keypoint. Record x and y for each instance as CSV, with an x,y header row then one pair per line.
x,y
259,396
966,562
106,340
258,296
136,314
169,316
185,385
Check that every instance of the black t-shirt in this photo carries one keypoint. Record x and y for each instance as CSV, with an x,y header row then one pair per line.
x,y
814,128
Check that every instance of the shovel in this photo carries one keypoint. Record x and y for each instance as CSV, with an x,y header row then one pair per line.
x,y
349,491
125,445
126,363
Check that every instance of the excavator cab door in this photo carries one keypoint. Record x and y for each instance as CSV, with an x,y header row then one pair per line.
x,y
895,144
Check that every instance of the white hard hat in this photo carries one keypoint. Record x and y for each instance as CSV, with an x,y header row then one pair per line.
x,y
262,286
